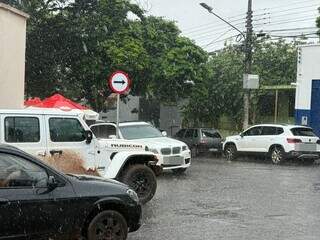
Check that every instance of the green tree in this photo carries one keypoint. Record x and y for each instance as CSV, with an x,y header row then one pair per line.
x,y
318,22
72,48
221,93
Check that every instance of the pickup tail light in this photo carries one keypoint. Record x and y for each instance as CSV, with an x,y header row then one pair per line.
x,y
294,140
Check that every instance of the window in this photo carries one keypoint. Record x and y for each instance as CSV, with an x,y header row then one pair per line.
x,y
66,130
139,132
189,133
255,131
306,132
279,130
269,131
104,131
18,172
22,129
196,133
180,134
210,133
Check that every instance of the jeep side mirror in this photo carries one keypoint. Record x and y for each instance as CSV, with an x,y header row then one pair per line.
x,y
241,135
164,133
89,136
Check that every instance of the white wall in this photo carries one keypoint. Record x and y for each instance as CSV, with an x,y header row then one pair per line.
x,y
12,56
308,70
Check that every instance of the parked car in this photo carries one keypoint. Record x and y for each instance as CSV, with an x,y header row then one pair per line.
x,y
200,140
278,141
50,132
173,154
38,202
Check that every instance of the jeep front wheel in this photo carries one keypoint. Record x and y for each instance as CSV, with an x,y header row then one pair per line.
x,y
142,180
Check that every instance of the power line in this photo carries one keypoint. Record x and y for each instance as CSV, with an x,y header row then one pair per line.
x,y
228,18
293,36
288,29
289,9
205,27
212,30
284,6
231,29
277,16
282,22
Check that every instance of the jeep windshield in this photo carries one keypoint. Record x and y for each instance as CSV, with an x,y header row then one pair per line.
x,y
139,131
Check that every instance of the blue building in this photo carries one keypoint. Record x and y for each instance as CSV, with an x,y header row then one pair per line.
x,y
307,106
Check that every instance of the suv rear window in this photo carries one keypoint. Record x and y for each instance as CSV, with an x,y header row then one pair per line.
x,y
209,133
308,132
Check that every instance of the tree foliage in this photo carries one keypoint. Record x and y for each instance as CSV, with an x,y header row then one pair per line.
x,y
221,93
72,47
318,22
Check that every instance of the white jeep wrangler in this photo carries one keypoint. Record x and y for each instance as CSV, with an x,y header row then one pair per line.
x,y
49,132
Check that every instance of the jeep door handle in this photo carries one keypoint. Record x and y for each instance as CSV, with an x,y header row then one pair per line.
x,y
41,153
4,201
52,152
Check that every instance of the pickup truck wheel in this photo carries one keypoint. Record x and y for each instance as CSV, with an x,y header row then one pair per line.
x,y
108,225
277,155
230,152
142,180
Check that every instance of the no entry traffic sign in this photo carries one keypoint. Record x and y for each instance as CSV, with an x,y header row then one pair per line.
x,y
119,82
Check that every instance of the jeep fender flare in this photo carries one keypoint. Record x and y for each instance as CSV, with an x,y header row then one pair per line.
x,y
122,159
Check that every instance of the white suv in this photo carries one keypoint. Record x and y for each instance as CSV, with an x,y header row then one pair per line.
x,y
173,154
278,141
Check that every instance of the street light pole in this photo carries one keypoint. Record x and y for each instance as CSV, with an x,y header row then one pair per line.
x,y
248,54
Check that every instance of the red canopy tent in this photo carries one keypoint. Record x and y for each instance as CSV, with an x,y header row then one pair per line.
x,y
32,101
59,101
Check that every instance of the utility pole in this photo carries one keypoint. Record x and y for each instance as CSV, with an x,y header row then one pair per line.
x,y
248,64
248,54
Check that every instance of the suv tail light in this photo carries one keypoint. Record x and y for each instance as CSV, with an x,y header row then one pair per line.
x,y
294,140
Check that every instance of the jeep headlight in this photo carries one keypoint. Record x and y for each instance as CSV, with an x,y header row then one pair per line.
x,y
133,195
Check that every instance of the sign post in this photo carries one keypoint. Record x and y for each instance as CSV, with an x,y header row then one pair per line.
x,y
119,83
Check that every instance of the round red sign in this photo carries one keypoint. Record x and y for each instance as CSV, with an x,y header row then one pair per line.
x,y
119,82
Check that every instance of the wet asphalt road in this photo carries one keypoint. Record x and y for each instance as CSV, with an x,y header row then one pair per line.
x,y
216,199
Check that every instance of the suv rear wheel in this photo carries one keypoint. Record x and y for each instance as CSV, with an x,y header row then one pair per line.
x,y
142,180
230,152
277,155
108,225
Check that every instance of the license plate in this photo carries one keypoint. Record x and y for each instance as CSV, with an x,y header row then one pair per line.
x,y
173,160
305,147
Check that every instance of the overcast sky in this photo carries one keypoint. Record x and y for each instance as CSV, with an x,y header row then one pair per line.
x,y
210,32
